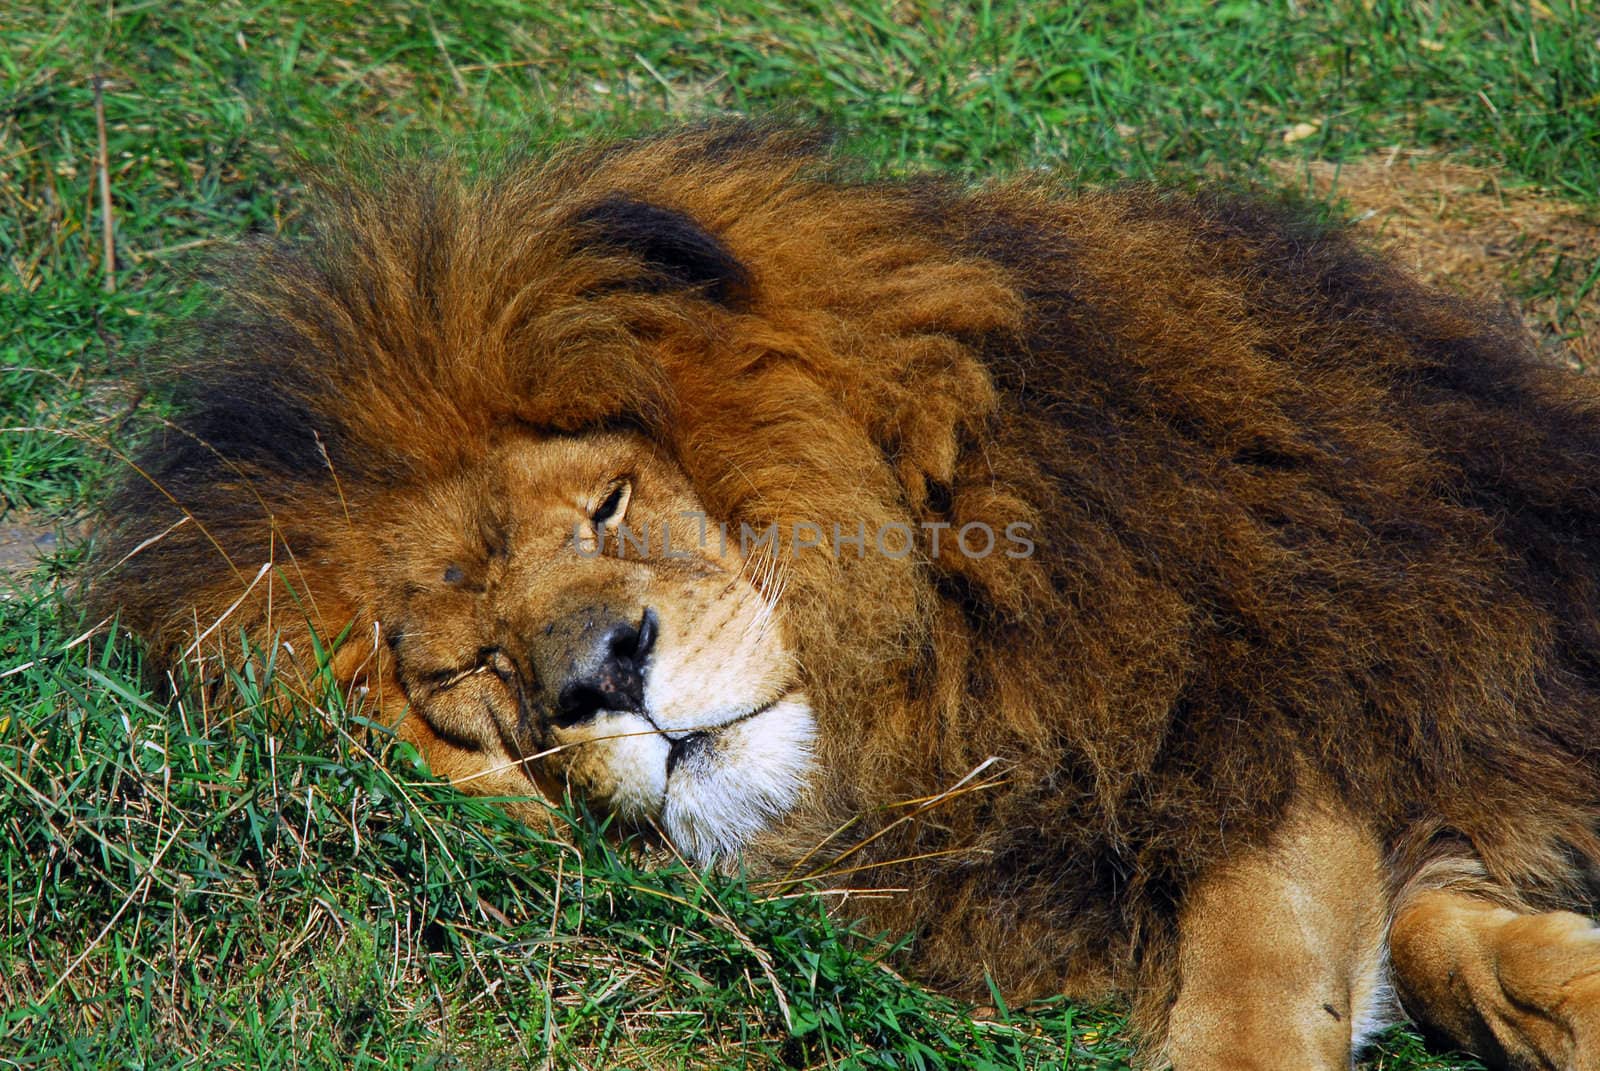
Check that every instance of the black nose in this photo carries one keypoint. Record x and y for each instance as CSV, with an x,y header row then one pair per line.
x,y
607,670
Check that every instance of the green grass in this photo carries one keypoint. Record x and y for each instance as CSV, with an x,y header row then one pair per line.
x,y
195,886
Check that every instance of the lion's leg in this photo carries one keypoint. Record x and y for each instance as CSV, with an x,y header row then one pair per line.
x,y
1281,953
1519,990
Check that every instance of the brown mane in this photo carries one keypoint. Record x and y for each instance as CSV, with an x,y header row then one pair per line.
x,y
1295,514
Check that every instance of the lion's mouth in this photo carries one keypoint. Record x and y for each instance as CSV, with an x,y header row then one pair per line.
x,y
688,744
682,748
724,786
712,783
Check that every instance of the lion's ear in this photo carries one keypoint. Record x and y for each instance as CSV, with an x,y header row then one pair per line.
x,y
678,253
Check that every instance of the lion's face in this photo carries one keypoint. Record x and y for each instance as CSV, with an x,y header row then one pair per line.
x,y
569,599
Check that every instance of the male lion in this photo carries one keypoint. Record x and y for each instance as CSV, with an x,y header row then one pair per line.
x,y
1178,600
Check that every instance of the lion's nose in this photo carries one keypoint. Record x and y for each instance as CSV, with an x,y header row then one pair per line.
x,y
606,670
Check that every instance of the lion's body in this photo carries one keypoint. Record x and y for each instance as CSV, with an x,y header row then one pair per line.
x,y
1301,526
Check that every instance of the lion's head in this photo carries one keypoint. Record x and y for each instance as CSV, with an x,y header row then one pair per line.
x,y
567,600
546,445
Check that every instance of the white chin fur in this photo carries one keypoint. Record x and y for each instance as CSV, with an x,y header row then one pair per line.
x,y
738,782
637,759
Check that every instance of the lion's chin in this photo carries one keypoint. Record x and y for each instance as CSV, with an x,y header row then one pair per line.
x,y
740,780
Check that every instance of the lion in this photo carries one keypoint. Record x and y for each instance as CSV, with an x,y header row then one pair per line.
x,y
1176,599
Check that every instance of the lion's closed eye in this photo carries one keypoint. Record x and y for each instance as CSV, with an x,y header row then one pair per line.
x,y
445,679
490,661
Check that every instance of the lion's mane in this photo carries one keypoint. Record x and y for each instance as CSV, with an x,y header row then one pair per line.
x,y
1295,515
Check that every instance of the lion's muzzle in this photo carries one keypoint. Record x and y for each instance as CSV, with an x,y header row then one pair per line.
x,y
594,662
645,725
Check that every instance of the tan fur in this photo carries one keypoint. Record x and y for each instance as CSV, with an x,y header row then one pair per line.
x,y
1521,990
1316,570
1281,951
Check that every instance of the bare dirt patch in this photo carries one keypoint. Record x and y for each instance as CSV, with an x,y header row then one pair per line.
x,y
25,539
1457,226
